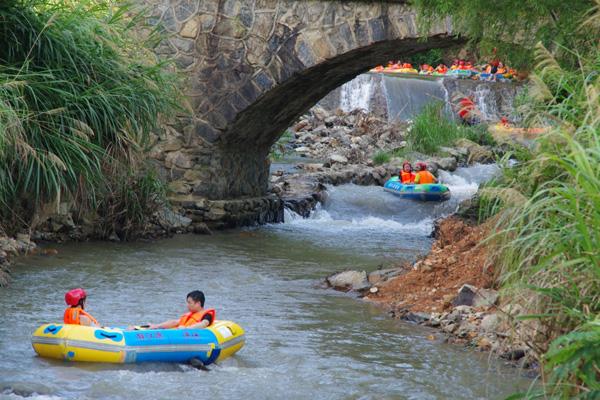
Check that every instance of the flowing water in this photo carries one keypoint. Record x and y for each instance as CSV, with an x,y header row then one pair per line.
x,y
302,341
356,94
406,97
403,98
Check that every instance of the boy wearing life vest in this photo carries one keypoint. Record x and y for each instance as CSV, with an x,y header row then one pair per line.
x,y
196,318
407,176
423,176
75,313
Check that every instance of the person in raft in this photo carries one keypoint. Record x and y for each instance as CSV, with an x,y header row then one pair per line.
x,y
407,175
196,318
75,313
423,176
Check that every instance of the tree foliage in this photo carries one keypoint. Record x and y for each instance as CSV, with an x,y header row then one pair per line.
x,y
513,27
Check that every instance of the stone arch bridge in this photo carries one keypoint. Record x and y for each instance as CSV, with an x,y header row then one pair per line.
x,y
254,66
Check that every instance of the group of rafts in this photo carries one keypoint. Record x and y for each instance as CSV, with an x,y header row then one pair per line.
x,y
71,341
494,71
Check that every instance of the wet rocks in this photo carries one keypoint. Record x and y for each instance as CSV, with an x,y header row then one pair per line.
x,y
343,138
475,152
348,280
10,248
361,281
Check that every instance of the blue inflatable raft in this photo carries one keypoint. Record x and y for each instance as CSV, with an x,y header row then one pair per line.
x,y
426,192
116,345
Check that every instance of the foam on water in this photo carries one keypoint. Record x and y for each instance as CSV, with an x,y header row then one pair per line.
x,y
367,219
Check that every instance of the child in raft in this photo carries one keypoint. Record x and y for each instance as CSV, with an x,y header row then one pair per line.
x,y
423,176
196,318
407,175
75,313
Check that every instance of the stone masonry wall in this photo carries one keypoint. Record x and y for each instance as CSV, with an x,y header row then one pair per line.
x,y
253,66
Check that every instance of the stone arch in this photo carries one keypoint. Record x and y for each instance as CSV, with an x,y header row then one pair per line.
x,y
254,66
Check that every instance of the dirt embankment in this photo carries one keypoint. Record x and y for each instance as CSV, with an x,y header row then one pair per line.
x,y
431,284
451,289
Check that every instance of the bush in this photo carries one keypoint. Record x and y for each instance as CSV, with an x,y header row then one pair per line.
x,y
549,252
432,129
128,200
78,90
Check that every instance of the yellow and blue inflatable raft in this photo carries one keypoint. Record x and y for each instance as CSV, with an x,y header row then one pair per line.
x,y
116,345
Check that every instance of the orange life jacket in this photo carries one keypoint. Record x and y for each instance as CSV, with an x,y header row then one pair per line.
x,y
73,314
407,177
192,318
425,177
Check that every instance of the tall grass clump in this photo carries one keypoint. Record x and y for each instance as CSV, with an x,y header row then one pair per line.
x,y
548,242
549,253
78,90
381,157
433,129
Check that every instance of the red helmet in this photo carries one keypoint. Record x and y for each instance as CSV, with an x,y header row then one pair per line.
x,y
73,297
421,166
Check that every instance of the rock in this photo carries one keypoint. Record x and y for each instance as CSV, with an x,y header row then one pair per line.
x,y
302,149
338,158
178,159
449,328
469,295
300,125
476,153
513,355
382,275
465,330
167,218
417,317
447,163
484,344
113,237
464,309
200,228
490,322
330,121
349,280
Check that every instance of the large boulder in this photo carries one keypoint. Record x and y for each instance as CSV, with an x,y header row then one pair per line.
x,y
469,295
476,153
349,280
338,158
447,163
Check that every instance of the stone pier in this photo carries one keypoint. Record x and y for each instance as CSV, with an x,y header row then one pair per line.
x,y
253,66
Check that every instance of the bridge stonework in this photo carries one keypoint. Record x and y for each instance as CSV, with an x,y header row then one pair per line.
x,y
253,66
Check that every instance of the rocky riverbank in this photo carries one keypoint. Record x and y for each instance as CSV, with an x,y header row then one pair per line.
x,y
452,289
342,148
11,248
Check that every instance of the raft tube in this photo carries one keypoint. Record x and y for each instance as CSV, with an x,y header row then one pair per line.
x,y
461,73
116,345
425,192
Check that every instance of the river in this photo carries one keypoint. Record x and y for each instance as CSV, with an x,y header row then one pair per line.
x,y
302,341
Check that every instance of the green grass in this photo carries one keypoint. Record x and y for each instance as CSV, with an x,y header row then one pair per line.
x,y
432,129
381,157
78,90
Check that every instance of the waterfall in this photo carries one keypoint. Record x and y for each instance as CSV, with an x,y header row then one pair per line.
x,y
406,97
486,103
356,94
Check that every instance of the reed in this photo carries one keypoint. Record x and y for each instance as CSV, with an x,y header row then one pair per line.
x,y
433,129
78,90
549,246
